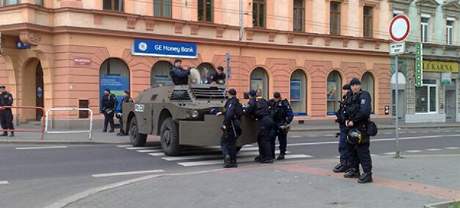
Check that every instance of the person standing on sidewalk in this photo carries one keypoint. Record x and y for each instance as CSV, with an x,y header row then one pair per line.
x,y
342,115
6,115
108,109
231,128
358,139
282,115
125,99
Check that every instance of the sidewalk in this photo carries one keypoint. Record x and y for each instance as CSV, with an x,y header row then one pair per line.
x,y
403,183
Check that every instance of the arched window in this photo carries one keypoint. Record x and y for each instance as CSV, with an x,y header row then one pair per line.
x,y
114,75
159,75
299,92
259,81
334,92
367,83
206,69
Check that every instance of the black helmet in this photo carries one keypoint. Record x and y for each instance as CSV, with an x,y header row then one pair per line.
x,y
354,136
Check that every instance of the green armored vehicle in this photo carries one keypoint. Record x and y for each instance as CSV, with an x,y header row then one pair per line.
x,y
182,115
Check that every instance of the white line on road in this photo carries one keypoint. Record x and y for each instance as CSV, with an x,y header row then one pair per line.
x,y
413,151
4,183
41,147
142,148
147,151
217,162
202,157
433,149
389,153
157,154
452,148
124,146
126,173
296,136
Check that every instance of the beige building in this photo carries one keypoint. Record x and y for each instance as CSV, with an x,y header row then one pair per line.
x,y
59,53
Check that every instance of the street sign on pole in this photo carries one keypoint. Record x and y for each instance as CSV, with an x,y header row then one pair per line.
x,y
399,30
418,64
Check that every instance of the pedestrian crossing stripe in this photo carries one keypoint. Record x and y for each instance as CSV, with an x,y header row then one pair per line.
x,y
242,160
201,157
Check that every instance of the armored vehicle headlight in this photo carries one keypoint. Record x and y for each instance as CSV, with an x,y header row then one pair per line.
x,y
195,114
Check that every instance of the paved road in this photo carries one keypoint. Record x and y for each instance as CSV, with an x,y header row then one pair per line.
x,y
40,174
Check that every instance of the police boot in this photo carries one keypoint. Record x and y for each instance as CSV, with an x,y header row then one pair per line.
x,y
227,161
365,178
257,159
5,133
12,134
340,168
281,156
352,173
233,163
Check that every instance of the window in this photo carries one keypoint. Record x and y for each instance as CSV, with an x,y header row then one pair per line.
x,y
367,22
426,97
258,13
8,2
259,82
449,32
299,15
425,21
159,75
39,2
114,5
162,8
334,92
205,10
334,18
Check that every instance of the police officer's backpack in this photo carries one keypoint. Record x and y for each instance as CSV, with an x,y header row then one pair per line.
x,y
372,129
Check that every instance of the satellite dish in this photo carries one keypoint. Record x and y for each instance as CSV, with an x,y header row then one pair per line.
x,y
194,77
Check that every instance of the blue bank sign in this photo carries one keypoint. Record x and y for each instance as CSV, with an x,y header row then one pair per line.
x,y
142,47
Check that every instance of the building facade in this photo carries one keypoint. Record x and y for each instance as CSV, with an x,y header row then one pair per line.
x,y
436,25
60,53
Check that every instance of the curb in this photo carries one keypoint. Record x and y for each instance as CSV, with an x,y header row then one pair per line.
x,y
57,142
380,128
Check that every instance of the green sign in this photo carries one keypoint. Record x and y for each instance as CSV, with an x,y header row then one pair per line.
x,y
418,64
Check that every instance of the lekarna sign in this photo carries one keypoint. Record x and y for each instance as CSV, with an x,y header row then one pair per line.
x,y
159,48
397,48
399,28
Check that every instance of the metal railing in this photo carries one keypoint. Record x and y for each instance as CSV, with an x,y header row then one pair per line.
x,y
70,131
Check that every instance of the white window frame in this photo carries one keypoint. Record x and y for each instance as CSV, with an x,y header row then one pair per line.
x,y
428,97
450,32
425,28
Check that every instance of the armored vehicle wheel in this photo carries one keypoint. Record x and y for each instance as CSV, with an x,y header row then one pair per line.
x,y
169,137
137,139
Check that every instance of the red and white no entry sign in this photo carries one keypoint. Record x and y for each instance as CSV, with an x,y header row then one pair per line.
x,y
399,28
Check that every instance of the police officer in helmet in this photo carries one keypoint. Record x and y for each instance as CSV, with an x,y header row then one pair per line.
x,y
358,140
258,109
231,128
282,116
342,116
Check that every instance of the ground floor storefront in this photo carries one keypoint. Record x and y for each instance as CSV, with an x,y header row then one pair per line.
x,y
436,100
62,73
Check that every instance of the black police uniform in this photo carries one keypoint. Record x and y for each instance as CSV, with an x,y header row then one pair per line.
x,y
360,111
259,109
342,116
231,130
218,78
6,115
108,109
126,99
282,115
179,76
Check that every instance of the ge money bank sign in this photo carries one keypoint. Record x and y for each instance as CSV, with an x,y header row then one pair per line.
x,y
159,48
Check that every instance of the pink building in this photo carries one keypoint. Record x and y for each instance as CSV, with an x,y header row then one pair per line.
x,y
60,53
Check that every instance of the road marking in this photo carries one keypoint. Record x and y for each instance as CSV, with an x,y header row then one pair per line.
x,y
124,146
42,147
147,151
329,135
4,183
389,153
433,149
217,162
296,136
452,148
413,151
201,157
157,154
142,148
126,173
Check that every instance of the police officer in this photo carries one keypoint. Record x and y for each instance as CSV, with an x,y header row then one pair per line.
x,y
358,140
258,109
125,99
231,129
178,74
342,116
108,109
282,116
218,77
6,115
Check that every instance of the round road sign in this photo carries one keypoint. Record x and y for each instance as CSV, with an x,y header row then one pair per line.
x,y
399,28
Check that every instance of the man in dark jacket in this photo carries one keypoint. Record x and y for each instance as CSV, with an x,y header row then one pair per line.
x,y
360,111
218,77
231,129
126,99
108,109
282,114
178,74
342,116
6,115
258,109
